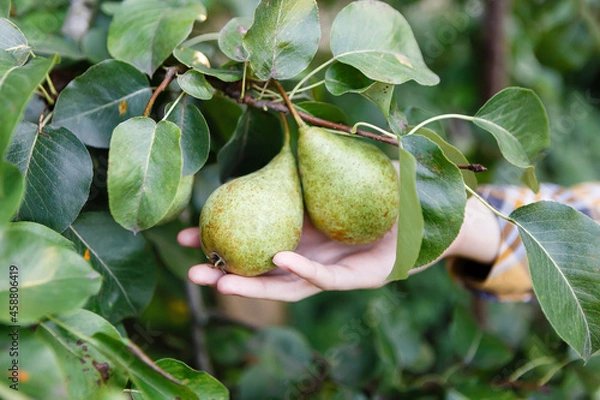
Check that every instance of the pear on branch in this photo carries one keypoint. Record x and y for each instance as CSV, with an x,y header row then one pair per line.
x,y
247,220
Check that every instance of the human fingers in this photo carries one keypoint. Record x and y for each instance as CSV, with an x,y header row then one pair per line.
x,y
282,287
204,274
189,237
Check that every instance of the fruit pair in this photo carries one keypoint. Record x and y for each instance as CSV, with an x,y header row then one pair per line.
x,y
350,190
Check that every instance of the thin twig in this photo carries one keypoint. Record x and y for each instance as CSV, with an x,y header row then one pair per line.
x,y
169,76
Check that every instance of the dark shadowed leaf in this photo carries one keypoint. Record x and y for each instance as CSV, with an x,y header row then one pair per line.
x,y
410,218
153,382
343,78
323,110
12,189
283,39
256,140
230,38
86,369
144,170
145,32
195,136
53,279
58,173
94,103
16,88
563,250
194,83
442,196
127,266
376,39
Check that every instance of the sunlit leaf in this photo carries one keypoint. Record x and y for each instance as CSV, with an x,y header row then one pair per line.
x,y
201,383
563,250
52,278
230,38
128,269
410,218
145,32
14,42
197,59
376,39
144,171
58,174
94,103
85,368
283,39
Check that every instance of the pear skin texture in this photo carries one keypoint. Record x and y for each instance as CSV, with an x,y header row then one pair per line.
x,y
351,188
246,221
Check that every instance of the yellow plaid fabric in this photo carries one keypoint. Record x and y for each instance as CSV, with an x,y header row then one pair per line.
x,y
508,277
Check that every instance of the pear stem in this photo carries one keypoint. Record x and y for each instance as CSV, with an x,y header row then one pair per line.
x,y
289,105
286,130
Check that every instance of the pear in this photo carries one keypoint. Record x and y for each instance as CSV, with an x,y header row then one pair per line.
x,y
246,221
351,188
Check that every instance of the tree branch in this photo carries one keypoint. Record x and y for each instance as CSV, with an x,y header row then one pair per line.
x,y
169,76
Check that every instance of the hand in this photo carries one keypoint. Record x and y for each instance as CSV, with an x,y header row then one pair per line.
x,y
318,264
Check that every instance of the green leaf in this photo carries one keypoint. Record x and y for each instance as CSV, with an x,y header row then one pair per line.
x,y
343,78
256,140
14,42
146,375
5,8
283,38
452,153
195,84
410,218
517,119
195,135
384,48
144,171
197,60
12,189
474,346
86,370
58,173
201,383
16,88
52,279
176,258
442,196
38,366
128,269
145,32
230,38
563,249
94,103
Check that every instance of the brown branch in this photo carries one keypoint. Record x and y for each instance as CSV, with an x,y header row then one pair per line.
x,y
169,76
234,91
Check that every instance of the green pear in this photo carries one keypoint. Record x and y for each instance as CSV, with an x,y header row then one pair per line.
x,y
182,199
246,221
351,188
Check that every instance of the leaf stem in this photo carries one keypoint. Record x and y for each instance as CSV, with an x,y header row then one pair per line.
x,y
243,91
309,75
488,205
289,104
309,87
374,127
207,37
51,85
440,117
170,110
46,95
169,76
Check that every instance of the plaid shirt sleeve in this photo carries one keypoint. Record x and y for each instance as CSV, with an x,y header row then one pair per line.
x,y
508,277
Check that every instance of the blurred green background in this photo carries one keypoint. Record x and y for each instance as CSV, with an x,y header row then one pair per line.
x,y
424,338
